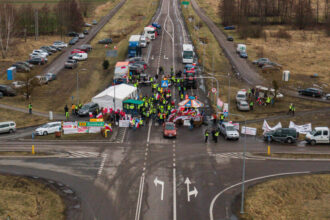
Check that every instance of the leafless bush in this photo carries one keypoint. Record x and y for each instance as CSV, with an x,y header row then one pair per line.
x,y
282,34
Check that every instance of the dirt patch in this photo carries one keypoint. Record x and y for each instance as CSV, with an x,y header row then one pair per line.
x,y
23,198
21,119
294,155
298,197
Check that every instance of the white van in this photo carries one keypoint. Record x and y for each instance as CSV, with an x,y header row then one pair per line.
x,y
143,41
80,56
241,48
7,127
41,80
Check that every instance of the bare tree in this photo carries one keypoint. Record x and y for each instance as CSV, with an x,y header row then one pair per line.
x,y
7,16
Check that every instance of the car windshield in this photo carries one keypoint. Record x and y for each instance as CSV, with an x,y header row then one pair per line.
x,y
241,96
85,107
244,104
169,127
44,126
188,54
230,128
150,32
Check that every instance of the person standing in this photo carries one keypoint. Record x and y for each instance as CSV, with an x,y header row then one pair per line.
x,y
290,109
216,136
30,108
73,108
66,109
293,109
206,134
213,135
251,105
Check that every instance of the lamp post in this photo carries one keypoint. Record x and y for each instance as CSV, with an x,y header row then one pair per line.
x,y
78,86
243,168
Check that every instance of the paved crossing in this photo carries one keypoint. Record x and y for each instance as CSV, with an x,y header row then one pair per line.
x,y
234,155
84,154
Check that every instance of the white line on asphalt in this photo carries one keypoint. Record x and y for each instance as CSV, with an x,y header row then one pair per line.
x,y
102,165
161,46
174,184
160,12
148,139
179,19
137,214
246,181
149,52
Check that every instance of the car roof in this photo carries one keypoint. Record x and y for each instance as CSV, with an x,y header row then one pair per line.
x,y
243,102
6,122
321,128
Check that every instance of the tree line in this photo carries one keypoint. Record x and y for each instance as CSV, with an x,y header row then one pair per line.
x,y
300,13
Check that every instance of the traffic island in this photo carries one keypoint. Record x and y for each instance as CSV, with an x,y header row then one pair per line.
x,y
28,198
295,197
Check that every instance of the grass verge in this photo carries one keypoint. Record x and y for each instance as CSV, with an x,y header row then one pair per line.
x,y
22,153
23,198
21,119
295,155
298,197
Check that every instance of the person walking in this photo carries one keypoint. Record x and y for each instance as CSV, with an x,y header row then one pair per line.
x,y
206,134
293,109
30,108
67,115
216,136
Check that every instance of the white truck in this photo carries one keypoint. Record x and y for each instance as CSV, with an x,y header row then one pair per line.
x,y
241,48
188,53
320,135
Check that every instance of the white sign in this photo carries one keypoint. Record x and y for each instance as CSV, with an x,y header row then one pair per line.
x,y
214,90
302,129
225,107
186,123
266,127
156,181
248,130
219,104
94,130
70,127
190,193
124,123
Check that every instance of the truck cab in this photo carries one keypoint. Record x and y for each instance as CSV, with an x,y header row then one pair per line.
x,y
149,33
158,28
320,135
188,53
190,79
134,48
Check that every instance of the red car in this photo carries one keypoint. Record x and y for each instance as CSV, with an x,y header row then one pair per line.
x,y
77,51
169,129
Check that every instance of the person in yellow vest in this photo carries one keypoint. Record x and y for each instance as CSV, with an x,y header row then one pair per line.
x,y
268,100
206,134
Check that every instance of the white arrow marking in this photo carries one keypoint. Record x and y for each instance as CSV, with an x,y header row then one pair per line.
x,y
152,57
156,181
165,58
190,193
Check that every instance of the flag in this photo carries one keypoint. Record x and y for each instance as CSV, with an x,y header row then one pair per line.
x,y
108,127
91,115
99,115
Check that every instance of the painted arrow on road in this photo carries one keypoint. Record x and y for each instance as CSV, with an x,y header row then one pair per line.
x,y
190,193
156,181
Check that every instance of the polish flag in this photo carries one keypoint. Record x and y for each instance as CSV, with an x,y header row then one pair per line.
x,y
108,127
91,115
99,115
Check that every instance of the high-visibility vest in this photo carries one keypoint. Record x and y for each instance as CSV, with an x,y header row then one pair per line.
x,y
73,107
30,106
161,116
206,134
131,106
222,117
251,103
216,134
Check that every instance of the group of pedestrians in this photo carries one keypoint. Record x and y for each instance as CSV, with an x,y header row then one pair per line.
x,y
215,134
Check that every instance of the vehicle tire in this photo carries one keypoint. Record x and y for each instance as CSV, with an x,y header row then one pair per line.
x,y
313,142
11,131
289,140
45,133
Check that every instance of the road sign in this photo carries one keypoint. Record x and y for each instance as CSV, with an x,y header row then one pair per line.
x,y
164,83
90,124
225,114
111,53
96,120
214,90
185,3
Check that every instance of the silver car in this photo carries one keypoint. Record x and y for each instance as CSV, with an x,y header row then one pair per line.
x,y
7,127
243,106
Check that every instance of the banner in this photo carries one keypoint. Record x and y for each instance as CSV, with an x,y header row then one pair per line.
x,y
82,130
94,130
70,127
186,123
249,131
266,127
302,129
124,123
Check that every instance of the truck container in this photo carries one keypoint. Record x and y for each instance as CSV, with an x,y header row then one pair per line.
x,y
121,72
134,48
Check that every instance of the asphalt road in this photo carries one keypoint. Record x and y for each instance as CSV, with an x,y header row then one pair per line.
x,y
147,176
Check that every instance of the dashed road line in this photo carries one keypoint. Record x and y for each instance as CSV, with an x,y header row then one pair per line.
x,y
99,172
174,183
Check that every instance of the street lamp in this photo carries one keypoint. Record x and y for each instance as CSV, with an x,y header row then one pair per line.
x,y
78,86
243,169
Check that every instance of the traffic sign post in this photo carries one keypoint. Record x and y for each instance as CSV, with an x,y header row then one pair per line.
x,y
214,90
164,84
185,3
90,124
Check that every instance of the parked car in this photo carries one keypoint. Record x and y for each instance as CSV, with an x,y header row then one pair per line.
x,y
21,68
1,95
49,49
243,106
85,32
230,38
143,41
327,96
55,48
243,54
37,61
7,90
39,80
25,64
288,135
81,36
314,92
60,44
228,131
94,22
229,27
169,129
105,41
70,64
48,128
77,51
85,47
40,51
18,84
87,108
135,59
87,25
241,95
73,41
7,127
319,135
80,56
50,76
73,34
261,61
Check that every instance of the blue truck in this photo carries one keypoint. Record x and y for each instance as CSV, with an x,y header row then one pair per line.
x,y
134,49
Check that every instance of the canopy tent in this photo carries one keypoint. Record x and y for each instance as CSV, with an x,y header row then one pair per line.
x,y
117,93
191,102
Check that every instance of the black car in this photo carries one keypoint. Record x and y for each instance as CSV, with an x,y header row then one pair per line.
x,y
190,79
55,48
1,95
73,41
37,61
85,32
25,64
49,49
73,34
311,92
21,67
7,90
230,38
105,41
288,135
85,47
87,108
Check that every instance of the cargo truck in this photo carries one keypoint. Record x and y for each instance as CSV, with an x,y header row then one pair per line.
x,y
134,49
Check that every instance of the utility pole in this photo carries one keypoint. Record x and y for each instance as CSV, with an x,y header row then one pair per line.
x,y
36,24
77,90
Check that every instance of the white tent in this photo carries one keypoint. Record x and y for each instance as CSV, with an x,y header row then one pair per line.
x,y
118,93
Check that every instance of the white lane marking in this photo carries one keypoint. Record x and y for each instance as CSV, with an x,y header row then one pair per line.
x,y
149,52
157,181
137,214
161,46
179,19
160,11
246,181
174,183
102,164
148,139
